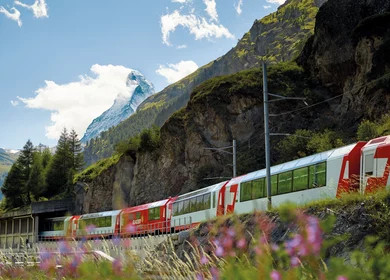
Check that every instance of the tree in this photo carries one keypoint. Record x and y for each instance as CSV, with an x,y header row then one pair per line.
x,y
25,162
36,181
76,151
12,189
367,130
58,170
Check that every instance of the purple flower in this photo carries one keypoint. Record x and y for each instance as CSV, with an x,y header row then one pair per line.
x,y
241,243
342,278
219,252
294,261
214,273
116,240
275,275
64,247
117,266
204,260
199,276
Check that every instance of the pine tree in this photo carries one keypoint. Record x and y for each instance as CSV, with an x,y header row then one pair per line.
x,y
36,181
12,187
25,162
58,170
76,151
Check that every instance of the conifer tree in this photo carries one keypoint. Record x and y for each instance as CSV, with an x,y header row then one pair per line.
x,y
76,151
25,162
58,170
12,187
36,181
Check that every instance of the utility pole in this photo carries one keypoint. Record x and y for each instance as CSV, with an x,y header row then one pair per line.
x,y
234,158
234,153
266,135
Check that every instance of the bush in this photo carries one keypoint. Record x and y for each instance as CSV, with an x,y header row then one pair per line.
x,y
367,130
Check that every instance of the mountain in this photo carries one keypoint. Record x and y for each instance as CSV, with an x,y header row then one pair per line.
x,y
277,37
343,71
7,158
124,106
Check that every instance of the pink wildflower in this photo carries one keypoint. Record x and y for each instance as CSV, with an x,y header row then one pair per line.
x,y
204,260
241,244
342,278
214,273
117,266
130,228
199,277
275,275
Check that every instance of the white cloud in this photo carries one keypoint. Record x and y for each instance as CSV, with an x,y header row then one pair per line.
x,y
39,8
238,7
181,47
267,7
76,104
279,2
198,26
211,9
14,102
175,72
14,16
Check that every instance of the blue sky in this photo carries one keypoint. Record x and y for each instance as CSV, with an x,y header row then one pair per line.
x,y
58,57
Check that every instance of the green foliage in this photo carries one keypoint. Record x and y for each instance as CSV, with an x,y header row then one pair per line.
x,y
305,142
367,130
96,169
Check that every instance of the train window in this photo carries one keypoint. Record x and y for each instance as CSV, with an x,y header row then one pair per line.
x,y
317,175
199,202
321,174
58,225
214,199
180,208
274,184
2,227
186,206
154,213
193,204
258,187
285,182
96,222
206,201
246,191
301,179
9,226
175,208
16,225
138,215
369,164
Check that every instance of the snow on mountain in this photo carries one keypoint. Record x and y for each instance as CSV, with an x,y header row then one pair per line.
x,y
124,106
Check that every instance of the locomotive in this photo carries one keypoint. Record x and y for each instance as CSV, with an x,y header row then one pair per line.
x,y
361,167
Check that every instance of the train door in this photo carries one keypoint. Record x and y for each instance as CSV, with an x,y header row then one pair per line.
x,y
368,169
230,198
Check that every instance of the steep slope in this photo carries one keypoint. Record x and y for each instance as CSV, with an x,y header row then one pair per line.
x,y
124,106
277,37
230,107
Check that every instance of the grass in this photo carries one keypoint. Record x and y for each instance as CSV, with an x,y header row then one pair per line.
x,y
96,169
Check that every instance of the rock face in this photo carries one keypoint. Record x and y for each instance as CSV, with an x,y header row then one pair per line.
x,y
109,191
348,56
349,53
124,106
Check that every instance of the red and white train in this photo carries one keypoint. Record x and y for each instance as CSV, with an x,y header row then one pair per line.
x,y
363,167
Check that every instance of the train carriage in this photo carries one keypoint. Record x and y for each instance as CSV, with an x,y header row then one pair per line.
x,y
102,224
319,176
191,208
148,218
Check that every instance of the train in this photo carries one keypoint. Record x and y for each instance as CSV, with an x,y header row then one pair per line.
x,y
361,167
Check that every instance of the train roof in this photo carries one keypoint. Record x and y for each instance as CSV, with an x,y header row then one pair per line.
x,y
205,190
298,163
100,214
147,206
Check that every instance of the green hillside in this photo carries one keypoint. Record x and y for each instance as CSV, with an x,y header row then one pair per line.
x,y
277,37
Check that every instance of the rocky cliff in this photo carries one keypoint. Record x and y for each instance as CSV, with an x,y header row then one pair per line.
x,y
277,37
347,58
